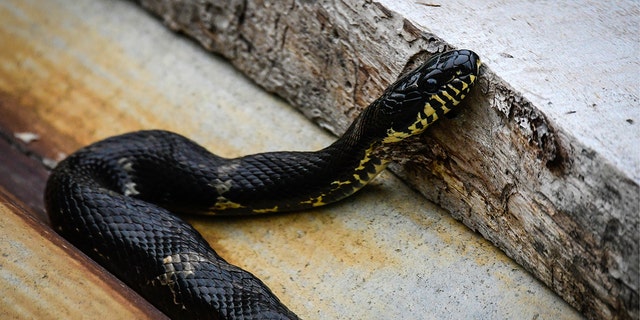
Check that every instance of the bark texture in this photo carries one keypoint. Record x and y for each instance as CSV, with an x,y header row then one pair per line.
x,y
502,168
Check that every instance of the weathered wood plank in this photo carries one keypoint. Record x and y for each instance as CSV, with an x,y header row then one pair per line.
x,y
504,168
41,277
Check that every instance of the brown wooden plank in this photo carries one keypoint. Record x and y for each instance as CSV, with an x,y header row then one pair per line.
x,y
41,276
22,176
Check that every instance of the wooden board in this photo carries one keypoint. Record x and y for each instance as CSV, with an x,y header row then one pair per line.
x,y
42,276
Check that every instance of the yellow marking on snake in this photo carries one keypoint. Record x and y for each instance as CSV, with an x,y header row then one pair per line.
x,y
448,96
395,136
456,91
437,98
465,85
429,110
267,210
357,178
377,168
365,166
364,160
414,129
315,201
224,203
339,184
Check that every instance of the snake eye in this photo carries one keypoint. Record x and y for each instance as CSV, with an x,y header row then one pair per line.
x,y
431,85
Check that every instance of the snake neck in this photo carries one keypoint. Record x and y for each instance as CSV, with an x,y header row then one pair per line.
x,y
360,153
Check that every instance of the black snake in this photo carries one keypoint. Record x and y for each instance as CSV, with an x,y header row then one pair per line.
x,y
114,199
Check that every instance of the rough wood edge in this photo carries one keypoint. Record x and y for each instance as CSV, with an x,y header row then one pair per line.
x,y
555,206
101,291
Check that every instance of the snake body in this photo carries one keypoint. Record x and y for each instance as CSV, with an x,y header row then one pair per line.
x,y
115,199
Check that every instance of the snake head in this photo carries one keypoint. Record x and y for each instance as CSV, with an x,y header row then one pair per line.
x,y
425,94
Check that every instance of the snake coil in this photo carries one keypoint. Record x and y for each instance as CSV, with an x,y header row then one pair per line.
x,y
114,199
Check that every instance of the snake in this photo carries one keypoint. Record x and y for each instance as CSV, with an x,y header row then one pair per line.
x,y
120,200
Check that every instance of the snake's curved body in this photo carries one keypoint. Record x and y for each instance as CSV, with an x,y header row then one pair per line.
x,y
114,199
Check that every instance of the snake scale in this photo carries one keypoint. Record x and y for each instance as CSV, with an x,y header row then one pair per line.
x,y
115,199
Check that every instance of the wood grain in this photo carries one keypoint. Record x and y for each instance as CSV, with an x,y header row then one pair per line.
x,y
42,276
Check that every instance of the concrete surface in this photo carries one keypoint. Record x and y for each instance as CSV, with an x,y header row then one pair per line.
x,y
90,69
